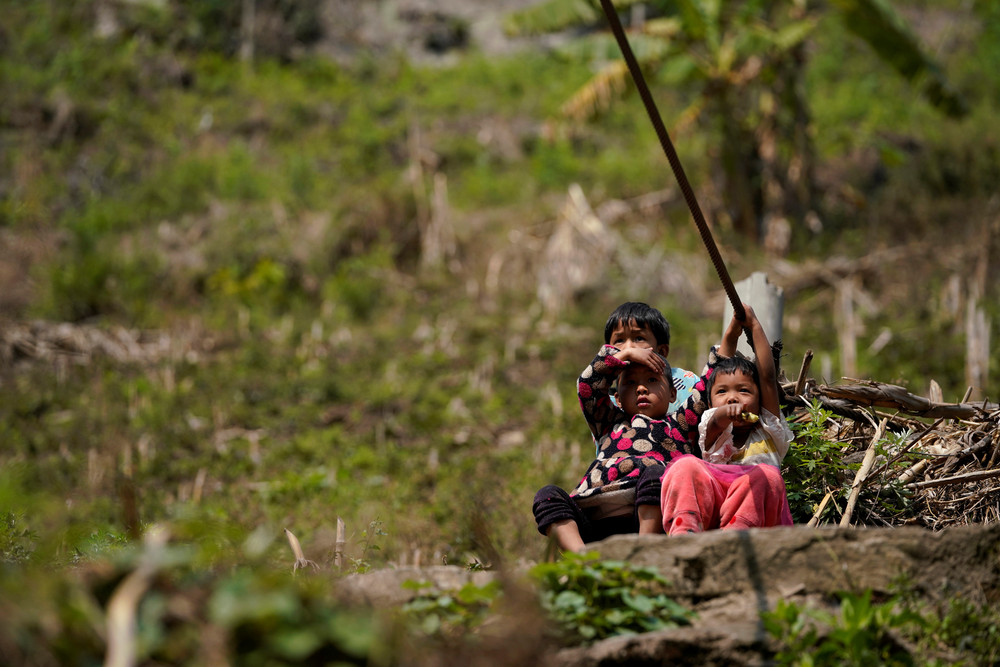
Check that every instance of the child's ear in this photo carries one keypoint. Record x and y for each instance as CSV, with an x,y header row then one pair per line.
x,y
664,349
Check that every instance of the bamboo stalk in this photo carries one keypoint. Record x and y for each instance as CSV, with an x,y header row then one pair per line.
x,y
861,477
199,485
847,326
300,559
338,548
996,449
814,521
907,476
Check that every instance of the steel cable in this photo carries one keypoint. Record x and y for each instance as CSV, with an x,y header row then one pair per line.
x,y
675,163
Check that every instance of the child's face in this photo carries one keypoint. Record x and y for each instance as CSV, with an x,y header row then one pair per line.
x,y
629,334
643,391
737,387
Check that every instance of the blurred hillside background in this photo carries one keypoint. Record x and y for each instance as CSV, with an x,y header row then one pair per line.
x,y
264,264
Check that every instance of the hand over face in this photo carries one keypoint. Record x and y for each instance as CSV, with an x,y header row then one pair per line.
x,y
644,356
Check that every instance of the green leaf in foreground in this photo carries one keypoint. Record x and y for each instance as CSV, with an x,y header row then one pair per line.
x,y
591,599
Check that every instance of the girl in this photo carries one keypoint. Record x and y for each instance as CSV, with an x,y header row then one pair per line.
x,y
743,437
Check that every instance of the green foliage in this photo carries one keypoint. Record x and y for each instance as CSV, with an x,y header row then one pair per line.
x,y
17,539
898,631
374,531
556,15
586,598
100,544
265,218
886,32
247,614
814,465
966,628
356,287
99,284
592,599
216,25
265,281
271,621
860,634
443,615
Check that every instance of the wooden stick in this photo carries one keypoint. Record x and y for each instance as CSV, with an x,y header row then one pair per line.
x,y
878,394
129,498
934,393
910,446
122,623
860,478
957,479
800,383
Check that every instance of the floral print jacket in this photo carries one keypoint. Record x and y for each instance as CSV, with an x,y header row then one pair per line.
x,y
625,445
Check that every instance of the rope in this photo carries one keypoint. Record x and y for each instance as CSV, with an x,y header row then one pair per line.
x,y
675,163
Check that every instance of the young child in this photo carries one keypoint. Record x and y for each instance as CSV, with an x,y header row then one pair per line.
x,y
620,493
644,320
743,438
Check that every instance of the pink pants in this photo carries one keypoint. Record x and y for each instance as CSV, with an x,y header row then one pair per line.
x,y
697,495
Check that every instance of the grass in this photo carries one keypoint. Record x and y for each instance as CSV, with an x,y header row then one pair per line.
x,y
265,219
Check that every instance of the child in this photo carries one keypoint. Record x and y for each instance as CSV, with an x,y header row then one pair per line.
x,y
743,437
647,320
620,491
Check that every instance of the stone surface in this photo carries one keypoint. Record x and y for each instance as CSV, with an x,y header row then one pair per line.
x,y
385,588
729,577
800,560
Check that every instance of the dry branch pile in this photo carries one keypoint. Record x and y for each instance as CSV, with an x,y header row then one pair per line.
x,y
80,343
946,460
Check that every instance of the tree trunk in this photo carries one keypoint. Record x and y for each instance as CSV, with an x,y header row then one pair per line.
x,y
740,160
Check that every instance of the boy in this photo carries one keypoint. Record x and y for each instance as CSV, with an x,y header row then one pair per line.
x,y
636,324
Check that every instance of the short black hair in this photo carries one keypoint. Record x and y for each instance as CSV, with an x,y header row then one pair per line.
x,y
734,364
643,315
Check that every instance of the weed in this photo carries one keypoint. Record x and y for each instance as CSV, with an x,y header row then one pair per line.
x,y
813,465
591,599
17,540
449,614
374,530
898,631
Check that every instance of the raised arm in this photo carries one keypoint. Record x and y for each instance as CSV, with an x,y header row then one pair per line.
x,y
732,337
765,363
593,386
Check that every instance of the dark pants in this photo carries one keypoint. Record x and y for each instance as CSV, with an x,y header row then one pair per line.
x,y
553,504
